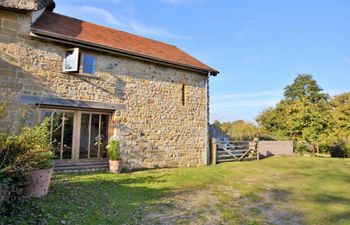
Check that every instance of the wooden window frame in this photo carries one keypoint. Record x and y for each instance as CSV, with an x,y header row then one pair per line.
x,y
81,63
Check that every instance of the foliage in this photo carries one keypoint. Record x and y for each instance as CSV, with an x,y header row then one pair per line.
x,y
304,114
341,149
305,87
311,189
3,108
239,129
341,112
113,149
29,151
337,139
302,147
18,156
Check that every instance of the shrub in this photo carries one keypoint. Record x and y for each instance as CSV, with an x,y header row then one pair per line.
x,y
340,149
113,149
302,147
18,156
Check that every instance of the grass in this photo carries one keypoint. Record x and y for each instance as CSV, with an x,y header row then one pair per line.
x,y
284,190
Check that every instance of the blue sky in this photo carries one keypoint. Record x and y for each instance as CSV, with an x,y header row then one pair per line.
x,y
258,46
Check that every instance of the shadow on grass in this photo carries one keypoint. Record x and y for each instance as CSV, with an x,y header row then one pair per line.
x,y
335,203
93,199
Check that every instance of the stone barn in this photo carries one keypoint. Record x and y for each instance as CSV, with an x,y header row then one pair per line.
x,y
93,82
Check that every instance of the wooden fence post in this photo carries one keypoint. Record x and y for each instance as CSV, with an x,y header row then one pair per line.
x,y
256,142
213,151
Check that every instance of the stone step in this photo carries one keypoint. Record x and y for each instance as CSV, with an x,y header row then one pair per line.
x,y
233,159
98,167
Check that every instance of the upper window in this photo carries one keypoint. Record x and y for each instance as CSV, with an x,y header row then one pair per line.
x,y
71,60
83,63
89,64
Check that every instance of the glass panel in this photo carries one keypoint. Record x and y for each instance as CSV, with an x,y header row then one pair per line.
x,y
56,133
89,64
84,136
71,60
104,136
48,114
95,118
68,135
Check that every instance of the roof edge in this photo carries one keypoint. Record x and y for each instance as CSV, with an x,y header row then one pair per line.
x,y
73,41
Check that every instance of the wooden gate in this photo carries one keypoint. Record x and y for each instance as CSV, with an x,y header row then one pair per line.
x,y
233,151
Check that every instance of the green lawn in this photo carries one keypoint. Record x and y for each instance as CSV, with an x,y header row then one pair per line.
x,y
285,190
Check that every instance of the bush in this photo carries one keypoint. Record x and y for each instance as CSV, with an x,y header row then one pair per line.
x,y
302,147
340,149
113,149
20,155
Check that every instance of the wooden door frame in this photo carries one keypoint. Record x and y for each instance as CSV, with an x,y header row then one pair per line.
x,y
77,112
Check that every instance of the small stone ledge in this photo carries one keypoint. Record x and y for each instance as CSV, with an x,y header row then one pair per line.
x,y
51,101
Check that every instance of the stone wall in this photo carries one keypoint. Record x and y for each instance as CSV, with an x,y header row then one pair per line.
x,y
273,148
156,129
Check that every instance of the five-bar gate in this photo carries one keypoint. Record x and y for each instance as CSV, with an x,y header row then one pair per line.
x,y
233,151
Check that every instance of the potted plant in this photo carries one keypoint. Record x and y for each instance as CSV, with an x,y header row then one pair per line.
x,y
113,151
37,159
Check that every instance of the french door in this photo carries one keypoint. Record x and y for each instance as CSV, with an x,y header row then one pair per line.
x,y
77,136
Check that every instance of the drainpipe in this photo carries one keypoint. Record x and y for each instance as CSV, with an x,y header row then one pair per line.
x,y
207,153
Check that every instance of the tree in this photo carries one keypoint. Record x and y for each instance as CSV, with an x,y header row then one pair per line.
x,y
242,130
305,87
338,135
239,129
341,111
303,114
217,123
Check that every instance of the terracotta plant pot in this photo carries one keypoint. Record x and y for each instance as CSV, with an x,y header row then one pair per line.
x,y
38,182
115,166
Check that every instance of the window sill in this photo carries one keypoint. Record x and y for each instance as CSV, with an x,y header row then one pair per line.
x,y
82,75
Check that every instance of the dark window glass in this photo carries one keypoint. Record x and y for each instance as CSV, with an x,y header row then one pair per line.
x,y
67,135
94,142
89,64
84,136
183,94
56,133
104,136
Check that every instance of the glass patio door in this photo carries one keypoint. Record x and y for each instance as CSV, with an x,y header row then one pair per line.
x,y
93,136
77,136
61,133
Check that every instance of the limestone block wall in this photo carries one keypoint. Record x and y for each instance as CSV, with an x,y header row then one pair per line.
x,y
156,129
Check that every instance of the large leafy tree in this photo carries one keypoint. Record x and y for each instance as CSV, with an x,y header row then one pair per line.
x,y
302,115
339,132
341,111
305,87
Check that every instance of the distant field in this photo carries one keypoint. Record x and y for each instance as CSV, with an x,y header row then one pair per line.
x,y
283,190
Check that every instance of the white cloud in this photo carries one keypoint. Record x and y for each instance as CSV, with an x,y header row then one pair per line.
x,y
244,105
346,60
103,14
177,2
334,92
247,95
131,25
248,27
142,29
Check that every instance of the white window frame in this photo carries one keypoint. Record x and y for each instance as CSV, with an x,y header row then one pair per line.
x,y
76,55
